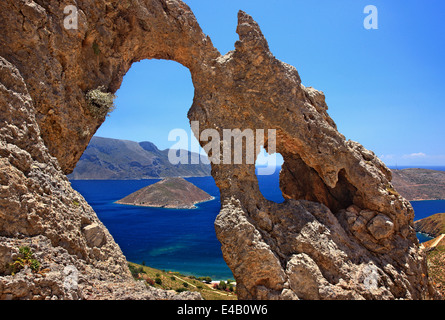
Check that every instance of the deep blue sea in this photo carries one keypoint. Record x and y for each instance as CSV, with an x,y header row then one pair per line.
x,y
178,239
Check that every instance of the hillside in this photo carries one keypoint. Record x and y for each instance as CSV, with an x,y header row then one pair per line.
x,y
168,280
113,159
174,193
419,184
435,248
435,252
433,225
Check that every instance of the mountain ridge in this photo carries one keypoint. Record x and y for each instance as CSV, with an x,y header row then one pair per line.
x,y
116,159
419,184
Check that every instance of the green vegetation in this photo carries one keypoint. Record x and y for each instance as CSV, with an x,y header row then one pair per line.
x,y
96,48
135,270
205,279
436,271
25,260
175,281
99,102
224,286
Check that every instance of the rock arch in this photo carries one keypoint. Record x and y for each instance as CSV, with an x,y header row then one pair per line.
x,y
341,227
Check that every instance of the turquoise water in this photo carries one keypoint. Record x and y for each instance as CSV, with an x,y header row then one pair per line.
x,y
167,239
181,240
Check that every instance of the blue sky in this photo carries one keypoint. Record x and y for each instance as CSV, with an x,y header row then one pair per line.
x,y
384,88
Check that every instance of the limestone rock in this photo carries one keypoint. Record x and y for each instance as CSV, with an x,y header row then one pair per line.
x,y
381,227
324,228
94,235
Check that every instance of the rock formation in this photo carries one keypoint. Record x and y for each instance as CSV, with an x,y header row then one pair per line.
x,y
172,193
343,232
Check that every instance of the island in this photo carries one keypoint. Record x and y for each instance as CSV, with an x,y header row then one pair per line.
x,y
171,193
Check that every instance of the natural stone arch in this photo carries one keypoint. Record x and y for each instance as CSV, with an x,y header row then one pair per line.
x,y
355,234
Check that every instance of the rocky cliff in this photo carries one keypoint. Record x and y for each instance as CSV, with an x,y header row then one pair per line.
x,y
343,232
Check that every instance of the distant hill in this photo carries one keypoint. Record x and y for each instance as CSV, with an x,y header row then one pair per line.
x,y
433,225
419,184
113,159
174,193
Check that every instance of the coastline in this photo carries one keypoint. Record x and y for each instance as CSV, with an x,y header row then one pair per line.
x,y
193,206
425,234
139,179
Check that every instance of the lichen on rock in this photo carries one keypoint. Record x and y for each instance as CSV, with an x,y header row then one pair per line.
x,y
100,103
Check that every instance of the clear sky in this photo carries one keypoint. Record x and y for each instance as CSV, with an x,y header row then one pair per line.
x,y
384,87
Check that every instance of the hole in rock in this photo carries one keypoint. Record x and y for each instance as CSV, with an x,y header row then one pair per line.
x,y
303,182
267,170
130,152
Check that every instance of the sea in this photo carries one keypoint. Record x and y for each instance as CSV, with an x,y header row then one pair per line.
x,y
182,240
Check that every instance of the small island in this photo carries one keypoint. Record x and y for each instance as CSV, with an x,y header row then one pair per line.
x,y
171,193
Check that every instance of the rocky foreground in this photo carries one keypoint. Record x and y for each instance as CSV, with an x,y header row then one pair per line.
x,y
342,233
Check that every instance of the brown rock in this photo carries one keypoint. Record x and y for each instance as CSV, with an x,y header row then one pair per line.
x,y
94,235
381,227
46,73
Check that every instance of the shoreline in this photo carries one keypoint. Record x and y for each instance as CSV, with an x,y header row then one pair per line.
x,y
164,207
139,179
426,234
214,280
426,200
